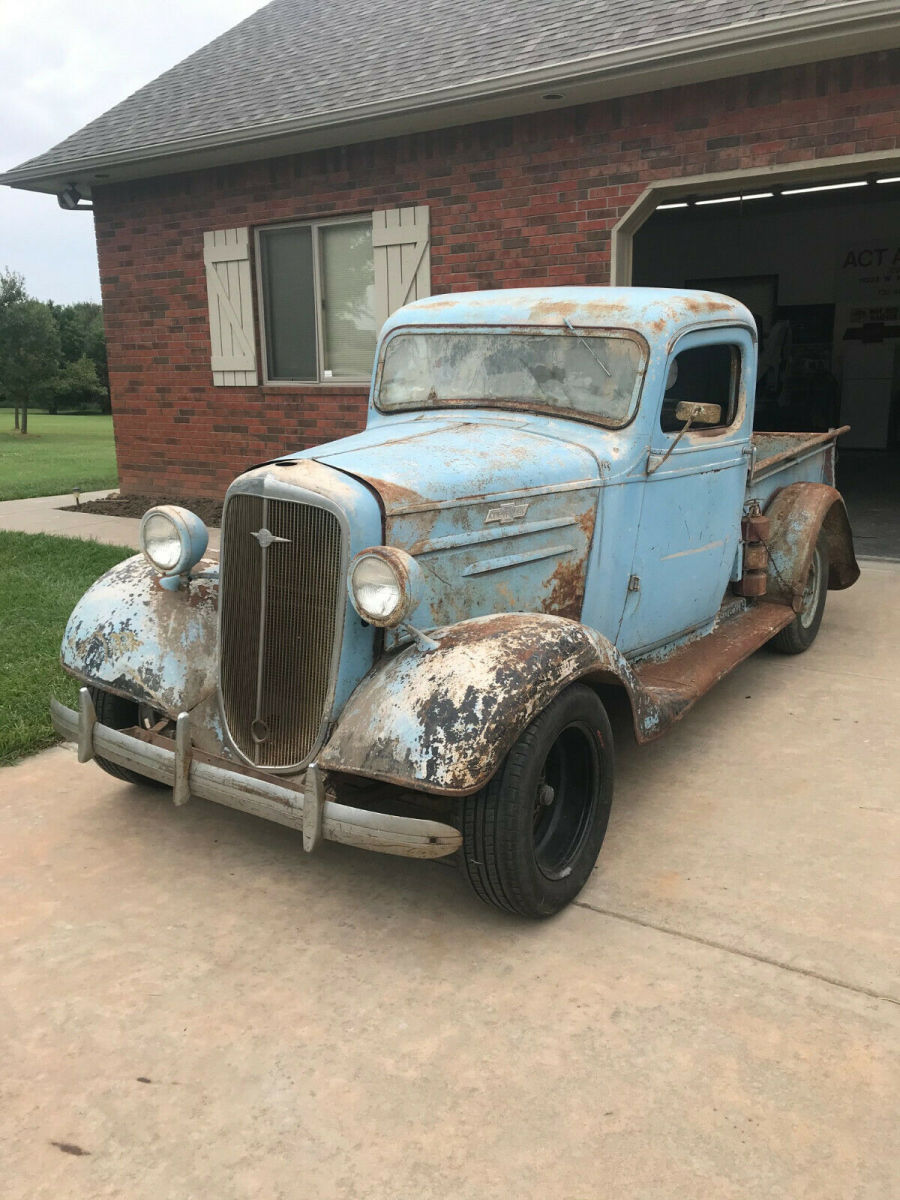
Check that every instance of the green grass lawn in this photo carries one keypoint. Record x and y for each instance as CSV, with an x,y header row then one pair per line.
x,y
41,578
57,454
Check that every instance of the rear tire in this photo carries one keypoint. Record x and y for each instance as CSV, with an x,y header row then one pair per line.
x,y
532,836
118,713
801,633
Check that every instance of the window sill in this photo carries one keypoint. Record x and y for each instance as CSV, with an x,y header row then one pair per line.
x,y
344,385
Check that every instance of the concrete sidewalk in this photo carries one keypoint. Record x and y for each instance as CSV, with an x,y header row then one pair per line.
x,y
193,1007
44,514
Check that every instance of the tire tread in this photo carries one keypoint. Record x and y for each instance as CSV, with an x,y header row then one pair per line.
x,y
489,827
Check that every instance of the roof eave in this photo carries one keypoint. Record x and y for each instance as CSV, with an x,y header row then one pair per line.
x,y
814,35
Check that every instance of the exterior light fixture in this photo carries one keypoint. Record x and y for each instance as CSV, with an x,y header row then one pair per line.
x,y
737,199
679,204
824,187
70,199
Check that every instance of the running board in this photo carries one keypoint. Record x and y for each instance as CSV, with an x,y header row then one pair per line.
x,y
675,683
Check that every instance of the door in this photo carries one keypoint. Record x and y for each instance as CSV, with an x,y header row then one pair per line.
x,y
693,492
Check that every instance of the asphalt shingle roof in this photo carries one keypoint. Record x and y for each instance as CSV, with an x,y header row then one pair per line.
x,y
303,60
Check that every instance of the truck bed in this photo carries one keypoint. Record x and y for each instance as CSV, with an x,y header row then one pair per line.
x,y
775,452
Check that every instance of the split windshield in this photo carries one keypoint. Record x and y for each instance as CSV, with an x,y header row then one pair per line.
x,y
597,376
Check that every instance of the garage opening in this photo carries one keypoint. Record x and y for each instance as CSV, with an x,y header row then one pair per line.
x,y
819,267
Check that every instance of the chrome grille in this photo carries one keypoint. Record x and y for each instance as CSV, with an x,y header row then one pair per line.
x,y
281,599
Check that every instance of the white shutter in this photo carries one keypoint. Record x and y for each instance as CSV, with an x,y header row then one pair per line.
x,y
401,245
226,253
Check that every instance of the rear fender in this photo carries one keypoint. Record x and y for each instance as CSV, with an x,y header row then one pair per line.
x,y
130,636
798,513
442,720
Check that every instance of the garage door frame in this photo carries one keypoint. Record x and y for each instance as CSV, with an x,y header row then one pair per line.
x,y
664,191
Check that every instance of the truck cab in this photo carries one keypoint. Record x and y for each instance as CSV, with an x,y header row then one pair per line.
x,y
408,638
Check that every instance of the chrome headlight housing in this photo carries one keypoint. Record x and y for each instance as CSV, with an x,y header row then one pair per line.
x,y
385,585
172,539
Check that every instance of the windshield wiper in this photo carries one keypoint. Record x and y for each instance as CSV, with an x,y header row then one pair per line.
x,y
599,361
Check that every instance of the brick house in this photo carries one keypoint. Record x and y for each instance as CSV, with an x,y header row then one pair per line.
x,y
263,205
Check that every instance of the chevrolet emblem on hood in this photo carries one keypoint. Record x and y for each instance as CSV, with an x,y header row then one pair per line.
x,y
266,539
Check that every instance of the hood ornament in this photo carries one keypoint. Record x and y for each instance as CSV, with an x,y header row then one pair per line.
x,y
266,539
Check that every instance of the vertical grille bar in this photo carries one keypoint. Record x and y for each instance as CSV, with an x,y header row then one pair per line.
x,y
280,597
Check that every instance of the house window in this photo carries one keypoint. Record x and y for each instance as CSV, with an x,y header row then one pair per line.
x,y
317,289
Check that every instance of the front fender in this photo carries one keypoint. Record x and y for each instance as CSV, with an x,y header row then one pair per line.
x,y
797,514
442,720
131,636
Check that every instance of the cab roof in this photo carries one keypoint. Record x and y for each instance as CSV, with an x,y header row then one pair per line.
x,y
655,312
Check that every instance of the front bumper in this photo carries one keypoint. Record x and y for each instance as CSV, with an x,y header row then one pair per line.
x,y
308,810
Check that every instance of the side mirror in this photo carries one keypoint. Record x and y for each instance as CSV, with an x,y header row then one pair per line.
x,y
689,412
698,414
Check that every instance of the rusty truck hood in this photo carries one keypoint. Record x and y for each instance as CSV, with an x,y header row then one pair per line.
x,y
425,463
499,514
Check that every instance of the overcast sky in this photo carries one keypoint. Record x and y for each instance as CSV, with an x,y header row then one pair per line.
x,y
61,65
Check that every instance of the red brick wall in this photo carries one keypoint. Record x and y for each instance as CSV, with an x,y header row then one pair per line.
x,y
528,200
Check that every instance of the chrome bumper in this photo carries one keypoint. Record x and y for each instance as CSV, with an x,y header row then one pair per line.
x,y
308,810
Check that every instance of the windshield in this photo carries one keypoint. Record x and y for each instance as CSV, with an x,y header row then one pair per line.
x,y
597,376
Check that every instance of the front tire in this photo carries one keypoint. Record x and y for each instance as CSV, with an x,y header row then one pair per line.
x,y
532,836
118,713
801,633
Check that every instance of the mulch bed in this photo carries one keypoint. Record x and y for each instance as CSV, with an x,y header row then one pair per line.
x,y
209,511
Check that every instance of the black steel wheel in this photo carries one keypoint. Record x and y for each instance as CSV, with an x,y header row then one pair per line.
x,y
118,713
801,633
532,836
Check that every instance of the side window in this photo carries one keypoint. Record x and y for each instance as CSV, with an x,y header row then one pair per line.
x,y
702,375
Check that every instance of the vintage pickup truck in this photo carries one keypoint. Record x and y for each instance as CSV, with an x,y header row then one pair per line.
x,y
409,636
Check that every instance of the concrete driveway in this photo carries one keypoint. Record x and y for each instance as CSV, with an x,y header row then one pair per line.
x,y
192,1008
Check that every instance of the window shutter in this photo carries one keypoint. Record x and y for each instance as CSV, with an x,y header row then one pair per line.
x,y
401,246
226,253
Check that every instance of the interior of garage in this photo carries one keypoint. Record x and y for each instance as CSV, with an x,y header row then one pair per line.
x,y
819,267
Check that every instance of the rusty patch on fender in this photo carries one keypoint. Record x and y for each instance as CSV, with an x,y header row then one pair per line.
x,y
799,513
440,721
566,590
586,521
130,636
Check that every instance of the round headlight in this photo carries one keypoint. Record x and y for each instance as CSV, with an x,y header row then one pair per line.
x,y
173,539
384,585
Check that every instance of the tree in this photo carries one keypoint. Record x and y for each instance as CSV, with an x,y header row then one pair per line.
x,y
29,351
81,335
12,291
12,288
75,386
50,353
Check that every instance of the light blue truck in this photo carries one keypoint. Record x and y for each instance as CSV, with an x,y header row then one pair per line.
x,y
410,636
